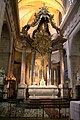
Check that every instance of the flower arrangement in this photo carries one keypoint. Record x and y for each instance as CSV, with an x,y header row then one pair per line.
x,y
2,76
2,73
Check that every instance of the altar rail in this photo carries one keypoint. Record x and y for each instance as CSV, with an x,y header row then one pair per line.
x,y
38,108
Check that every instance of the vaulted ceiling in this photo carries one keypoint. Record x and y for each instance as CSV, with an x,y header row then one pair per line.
x,y
27,9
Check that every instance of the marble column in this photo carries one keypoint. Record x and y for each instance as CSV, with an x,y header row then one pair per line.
x,y
22,86
61,72
69,64
54,77
49,69
42,63
61,67
32,66
71,73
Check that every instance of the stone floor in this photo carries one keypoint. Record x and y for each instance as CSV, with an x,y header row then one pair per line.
x,y
12,112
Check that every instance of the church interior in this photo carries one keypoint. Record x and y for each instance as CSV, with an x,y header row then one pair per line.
x,y
39,59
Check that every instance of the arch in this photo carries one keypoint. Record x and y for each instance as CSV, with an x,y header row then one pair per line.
x,y
75,44
75,56
4,47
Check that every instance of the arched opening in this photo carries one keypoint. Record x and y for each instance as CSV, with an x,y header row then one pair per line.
x,y
4,48
75,59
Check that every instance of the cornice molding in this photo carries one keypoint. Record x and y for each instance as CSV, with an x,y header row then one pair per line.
x,y
69,13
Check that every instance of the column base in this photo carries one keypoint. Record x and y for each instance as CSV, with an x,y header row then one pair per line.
x,y
21,91
48,82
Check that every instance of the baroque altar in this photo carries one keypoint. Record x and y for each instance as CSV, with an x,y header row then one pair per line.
x,y
43,91
42,42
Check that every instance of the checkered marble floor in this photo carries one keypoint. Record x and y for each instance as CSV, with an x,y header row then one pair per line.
x,y
31,114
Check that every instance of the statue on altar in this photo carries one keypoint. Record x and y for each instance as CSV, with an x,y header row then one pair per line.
x,y
42,82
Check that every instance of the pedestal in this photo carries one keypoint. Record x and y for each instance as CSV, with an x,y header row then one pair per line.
x,y
78,91
75,110
65,90
21,91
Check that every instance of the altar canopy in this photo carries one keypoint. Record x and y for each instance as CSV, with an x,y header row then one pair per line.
x,y
27,9
40,32
42,42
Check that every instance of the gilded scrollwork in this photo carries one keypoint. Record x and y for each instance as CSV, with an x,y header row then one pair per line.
x,y
41,38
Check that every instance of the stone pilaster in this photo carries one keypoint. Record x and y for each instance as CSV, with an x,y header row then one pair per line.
x,y
22,86
69,64
2,11
10,56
